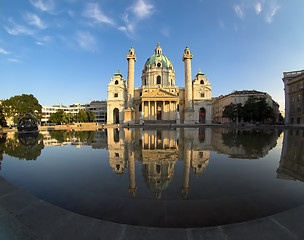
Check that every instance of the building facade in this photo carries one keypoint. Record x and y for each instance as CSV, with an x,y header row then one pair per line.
x,y
99,108
294,97
48,111
159,99
236,97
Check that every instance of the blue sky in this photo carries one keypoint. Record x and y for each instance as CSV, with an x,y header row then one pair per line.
x,y
66,51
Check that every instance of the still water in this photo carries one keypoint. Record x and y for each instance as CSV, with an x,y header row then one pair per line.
x,y
188,177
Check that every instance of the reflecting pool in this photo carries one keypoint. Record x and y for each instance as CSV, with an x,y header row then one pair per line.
x,y
184,177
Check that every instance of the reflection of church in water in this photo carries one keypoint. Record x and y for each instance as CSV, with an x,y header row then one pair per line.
x,y
158,151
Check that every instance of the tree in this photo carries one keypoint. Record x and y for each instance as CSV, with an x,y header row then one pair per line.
x,y
91,116
234,112
69,117
82,116
2,117
58,117
17,106
257,110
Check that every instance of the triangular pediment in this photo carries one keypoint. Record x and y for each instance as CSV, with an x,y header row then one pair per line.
x,y
159,93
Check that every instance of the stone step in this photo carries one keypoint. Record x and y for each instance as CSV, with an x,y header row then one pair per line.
x,y
160,121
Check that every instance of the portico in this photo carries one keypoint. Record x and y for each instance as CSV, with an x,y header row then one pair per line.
x,y
159,105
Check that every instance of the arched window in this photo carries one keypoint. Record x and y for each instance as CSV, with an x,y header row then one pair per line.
x,y
158,80
202,81
116,82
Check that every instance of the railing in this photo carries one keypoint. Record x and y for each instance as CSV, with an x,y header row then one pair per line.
x,y
293,74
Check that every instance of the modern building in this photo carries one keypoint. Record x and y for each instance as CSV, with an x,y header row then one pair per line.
x,y
294,97
48,111
236,97
98,107
159,99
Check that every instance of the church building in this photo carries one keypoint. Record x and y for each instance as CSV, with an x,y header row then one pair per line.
x,y
159,100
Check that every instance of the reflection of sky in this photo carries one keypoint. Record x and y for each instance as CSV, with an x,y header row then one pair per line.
x,y
82,180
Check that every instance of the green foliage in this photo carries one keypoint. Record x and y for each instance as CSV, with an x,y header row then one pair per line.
x,y
233,111
254,110
63,135
17,106
58,117
29,149
82,116
2,117
253,142
91,116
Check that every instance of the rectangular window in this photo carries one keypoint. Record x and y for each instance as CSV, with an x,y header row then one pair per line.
x,y
202,95
115,95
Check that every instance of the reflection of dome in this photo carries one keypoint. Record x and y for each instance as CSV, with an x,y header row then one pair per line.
x,y
160,58
158,185
158,176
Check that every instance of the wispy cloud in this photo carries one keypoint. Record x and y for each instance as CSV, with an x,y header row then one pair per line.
x,y
14,60
142,9
268,7
137,12
221,24
34,20
272,12
16,29
4,51
92,11
258,7
86,41
166,31
239,11
42,41
43,5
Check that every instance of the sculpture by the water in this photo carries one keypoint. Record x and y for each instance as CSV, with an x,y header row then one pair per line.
x,y
27,123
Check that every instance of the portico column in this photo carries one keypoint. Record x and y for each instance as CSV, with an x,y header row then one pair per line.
x,y
149,107
170,111
163,110
155,110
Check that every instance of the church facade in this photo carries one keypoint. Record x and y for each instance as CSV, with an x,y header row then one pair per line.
x,y
159,100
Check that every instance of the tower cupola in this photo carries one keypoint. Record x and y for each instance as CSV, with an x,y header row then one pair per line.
x,y
158,49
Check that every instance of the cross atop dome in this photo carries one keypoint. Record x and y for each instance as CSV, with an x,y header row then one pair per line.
x,y
158,49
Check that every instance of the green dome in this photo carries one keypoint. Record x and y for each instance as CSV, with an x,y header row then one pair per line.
x,y
154,59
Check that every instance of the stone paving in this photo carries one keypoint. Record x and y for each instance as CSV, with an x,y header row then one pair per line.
x,y
24,217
